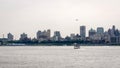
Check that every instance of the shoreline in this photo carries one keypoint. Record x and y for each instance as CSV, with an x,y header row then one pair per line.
x,y
62,45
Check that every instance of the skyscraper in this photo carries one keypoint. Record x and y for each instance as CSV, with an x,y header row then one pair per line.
x,y
83,31
48,33
57,36
44,35
38,34
100,30
10,36
23,36
92,32
57,33
113,27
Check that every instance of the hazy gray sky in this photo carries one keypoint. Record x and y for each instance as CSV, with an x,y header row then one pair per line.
x,y
29,16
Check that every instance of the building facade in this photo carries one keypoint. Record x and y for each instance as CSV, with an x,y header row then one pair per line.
x,y
100,30
83,32
23,36
92,32
10,37
43,35
57,36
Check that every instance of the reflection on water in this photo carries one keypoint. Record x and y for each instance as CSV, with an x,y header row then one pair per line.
x,y
59,57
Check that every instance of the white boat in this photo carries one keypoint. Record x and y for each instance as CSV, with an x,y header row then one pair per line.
x,y
76,46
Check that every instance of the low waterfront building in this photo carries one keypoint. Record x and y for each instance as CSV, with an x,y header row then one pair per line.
x,y
3,41
75,37
96,37
72,36
115,40
67,38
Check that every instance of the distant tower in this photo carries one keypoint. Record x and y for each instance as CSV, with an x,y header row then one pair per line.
x,y
43,35
48,33
83,31
57,36
10,36
38,35
92,32
113,28
23,36
57,33
100,30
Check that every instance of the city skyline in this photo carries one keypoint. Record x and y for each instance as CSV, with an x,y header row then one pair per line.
x,y
30,16
82,32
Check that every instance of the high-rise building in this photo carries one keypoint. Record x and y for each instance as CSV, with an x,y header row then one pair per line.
x,y
113,27
113,32
23,36
117,33
48,33
92,32
10,36
43,35
100,30
57,36
83,31
38,34
57,33
106,37
114,35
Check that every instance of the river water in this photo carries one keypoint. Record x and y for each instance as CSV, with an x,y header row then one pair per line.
x,y
59,57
